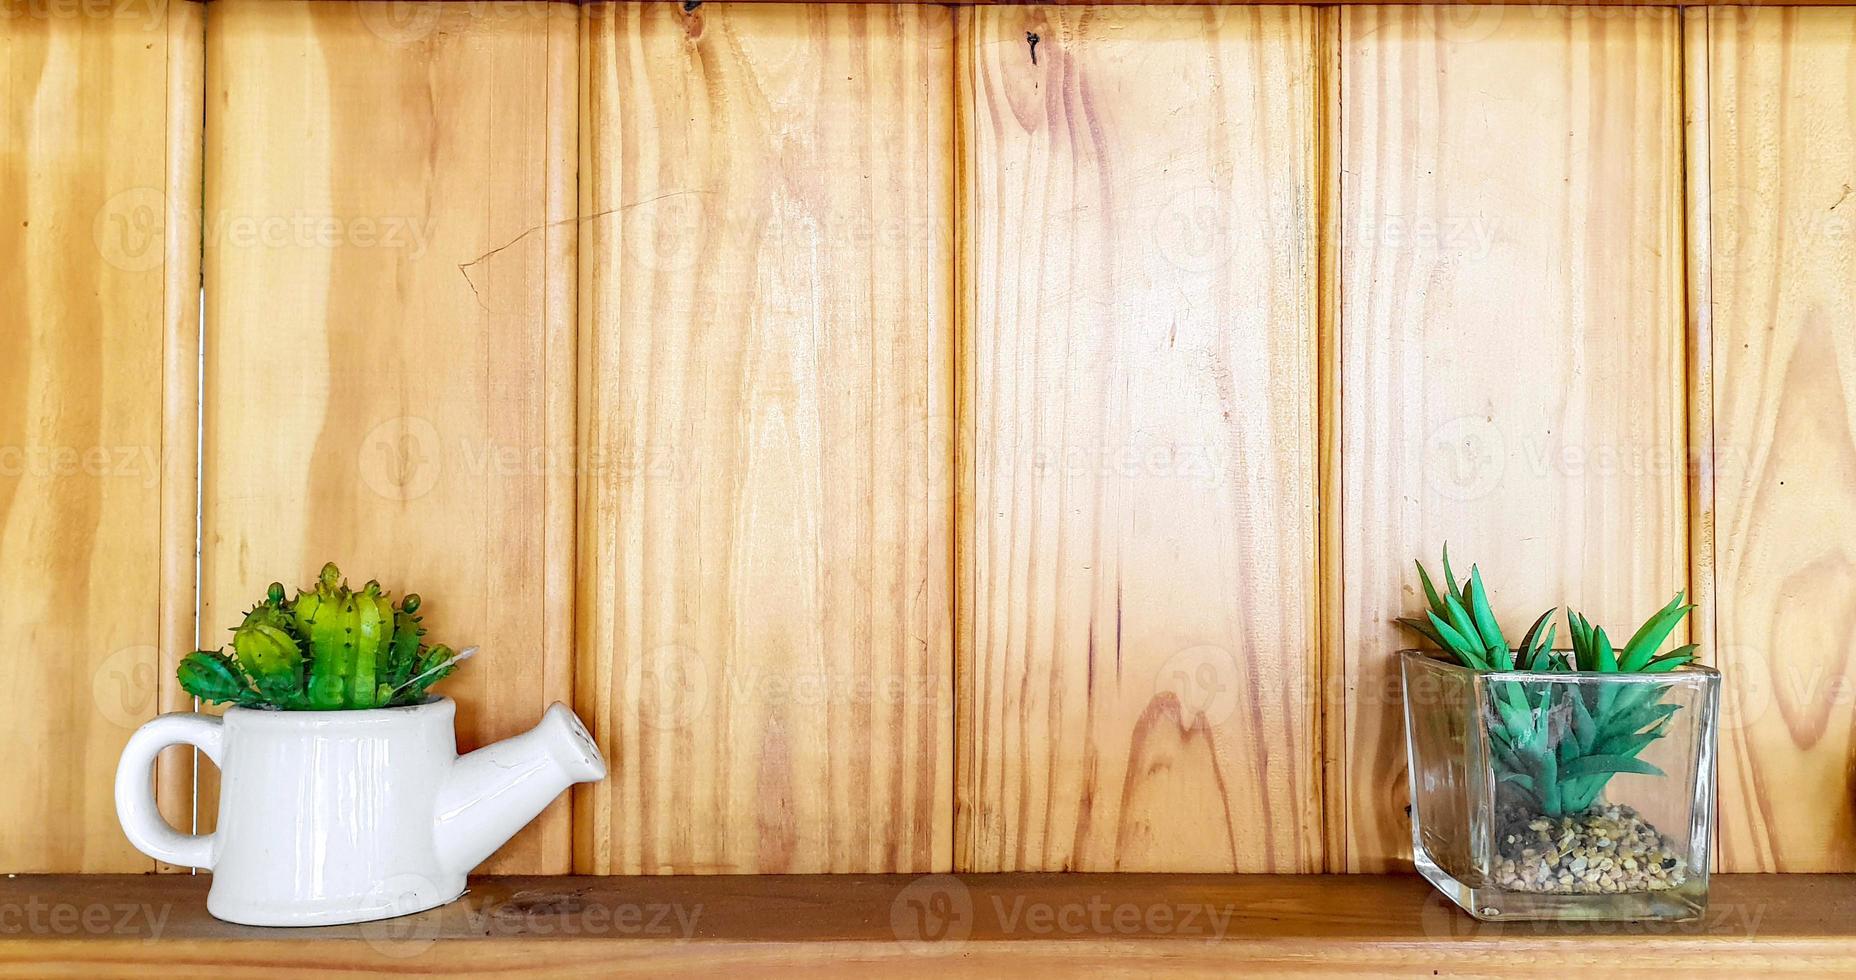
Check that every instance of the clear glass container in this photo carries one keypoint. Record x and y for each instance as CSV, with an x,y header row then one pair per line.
x,y
1562,796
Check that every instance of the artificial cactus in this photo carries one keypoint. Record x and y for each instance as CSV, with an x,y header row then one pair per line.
x,y
268,651
373,632
212,676
319,618
331,648
402,649
437,665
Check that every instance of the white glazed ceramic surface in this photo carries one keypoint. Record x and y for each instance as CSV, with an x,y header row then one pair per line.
x,y
348,816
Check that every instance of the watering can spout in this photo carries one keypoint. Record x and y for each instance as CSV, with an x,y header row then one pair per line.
x,y
495,791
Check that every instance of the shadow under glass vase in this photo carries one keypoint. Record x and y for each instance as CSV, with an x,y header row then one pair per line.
x,y
1561,796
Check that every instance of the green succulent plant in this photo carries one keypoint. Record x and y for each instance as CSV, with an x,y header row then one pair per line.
x,y
330,648
1557,745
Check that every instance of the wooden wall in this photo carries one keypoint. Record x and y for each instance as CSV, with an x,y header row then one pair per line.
x,y
1780,101
1510,338
99,263
920,438
767,353
389,371
1137,637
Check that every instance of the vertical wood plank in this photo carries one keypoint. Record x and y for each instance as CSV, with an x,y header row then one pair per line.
x,y
390,332
1782,106
1138,638
99,191
768,348
180,497
1697,242
1511,335
1329,565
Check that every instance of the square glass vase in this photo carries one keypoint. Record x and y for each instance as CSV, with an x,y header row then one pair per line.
x,y
1561,796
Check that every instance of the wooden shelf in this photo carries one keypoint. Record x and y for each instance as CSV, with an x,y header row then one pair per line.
x,y
106,925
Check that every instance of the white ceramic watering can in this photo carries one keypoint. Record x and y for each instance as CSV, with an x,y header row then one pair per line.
x,y
348,816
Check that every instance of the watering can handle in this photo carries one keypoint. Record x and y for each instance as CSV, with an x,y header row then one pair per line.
x,y
136,807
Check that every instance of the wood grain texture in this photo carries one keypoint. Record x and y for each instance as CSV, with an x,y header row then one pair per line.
x,y
180,383
1331,536
1782,156
1599,4
1042,925
1511,334
1138,626
99,191
1697,238
390,332
768,358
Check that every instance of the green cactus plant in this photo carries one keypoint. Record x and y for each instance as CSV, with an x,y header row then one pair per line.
x,y
1557,745
331,648
268,651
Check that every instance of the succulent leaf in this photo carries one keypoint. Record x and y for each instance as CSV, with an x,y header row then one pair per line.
x,y
1651,634
1457,643
1607,657
1450,577
1557,745
1584,729
1484,617
1629,745
1460,621
1421,628
213,677
1519,779
1604,765
1430,591
1530,641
